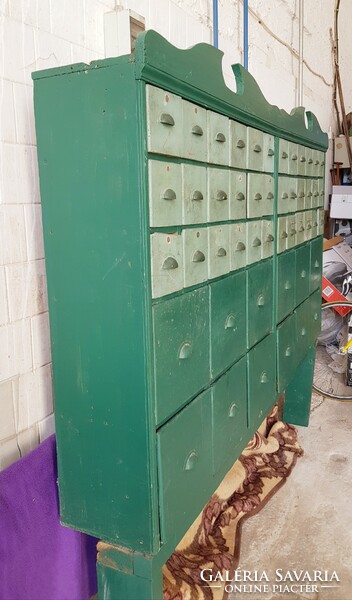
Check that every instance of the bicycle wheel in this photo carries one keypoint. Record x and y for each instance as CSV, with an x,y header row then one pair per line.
x,y
330,375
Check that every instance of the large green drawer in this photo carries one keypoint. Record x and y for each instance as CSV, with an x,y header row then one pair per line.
x,y
315,302
227,321
185,462
261,380
259,301
316,262
305,328
286,284
287,356
229,416
181,350
302,273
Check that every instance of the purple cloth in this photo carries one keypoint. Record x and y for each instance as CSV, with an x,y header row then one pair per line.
x,y
39,558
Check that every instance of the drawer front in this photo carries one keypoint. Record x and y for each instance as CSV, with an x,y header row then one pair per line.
x,y
268,238
316,163
238,145
316,262
308,225
218,195
283,157
268,153
256,195
315,193
300,227
283,190
302,273
309,162
259,301
238,245
286,286
229,416
181,349
165,193
218,138
238,195
321,219
321,166
308,194
293,158
301,167
194,131
255,149
164,122
315,301
321,196
282,234
219,250
287,359
301,194
291,231
268,205
227,321
292,194
166,263
254,241
261,380
304,329
315,223
184,461
195,256
195,195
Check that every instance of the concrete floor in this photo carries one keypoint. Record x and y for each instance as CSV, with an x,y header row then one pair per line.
x,y
307,525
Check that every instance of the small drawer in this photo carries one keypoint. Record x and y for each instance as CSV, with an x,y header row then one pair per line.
x,y
194,131
283,157
165,193
308,225
291,231
260,301
315,193
315,222
286,285
309,162
293,158
218,195
315,301
308,194
166,263
302,273
316,163
229,417
282,234
321,221
260,195
287,359
300,227
238,145
238,245
321,166
254,241
292,194
268,204
261,380
268,153
268,238
218,138
238,195
304,330
321,196
184,459
301,167
181,350
316,263
227,322
301,194
255,149
195,256
283,191
195,198
219,250
164,122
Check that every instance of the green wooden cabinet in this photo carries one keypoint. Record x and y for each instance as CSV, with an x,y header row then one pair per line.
x,y
182,227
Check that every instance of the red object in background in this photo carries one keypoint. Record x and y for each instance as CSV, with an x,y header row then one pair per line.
x,y
331,294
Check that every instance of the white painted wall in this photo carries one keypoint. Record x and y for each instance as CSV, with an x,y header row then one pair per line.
x,y
36,34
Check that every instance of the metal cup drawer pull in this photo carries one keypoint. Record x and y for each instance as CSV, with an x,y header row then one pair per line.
x,y
270,196
240,196
197,196
303,331
221,252
169,194
316,264
256,242
303,159
258,197
284,155
316,162
264,377
167,119
260,300
301,228
220,138
309,194
197,130
232,409
271,152
283,235
257,148
241,144
287,285
230,321
270,238
240,247
221,196
170,263
310,161
288,351
293,195
198,257
185,351
190,461
301,194
294,156
303,274
284,195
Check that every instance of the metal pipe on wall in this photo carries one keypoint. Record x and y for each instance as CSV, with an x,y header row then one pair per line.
x,y
215,24
245,34
300,54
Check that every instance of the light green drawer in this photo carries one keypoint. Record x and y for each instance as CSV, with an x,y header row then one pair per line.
x,y
181,350
301,167
260,301
261,380
195,256
184,464
308,225
286,285
309,162
283,190
293,158
238,145
292,194
218,195
238,242
282,234
268,238
166,263
194,131
291,231
238,195
268,153
315,193
219,250
283,157
308,194
229,417
227,321
301,194
165,193
164,122
254,241
300,227
218,138
195,194
255,149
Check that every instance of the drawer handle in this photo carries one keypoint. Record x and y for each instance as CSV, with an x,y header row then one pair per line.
x,y
270,196
240,144
322,163
270,238
284,155
170,263
260,300
221,252
264,377
270,152
315,194
240,246
316,162
220,138
288,351
301,195
190,461
309,194
315,224
197,130
294,156
301,229
230,321
256,242
233,409
303,331
316,316
185,351
239,196
169,194
221,195
167,119
303,159
257,148
258,197
284,195
293,195
303,274
198,257
197,196
310,161
287,285
316,264
309,226
283,235
293,231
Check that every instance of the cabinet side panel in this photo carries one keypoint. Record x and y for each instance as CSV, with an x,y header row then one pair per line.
x,y
87,130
